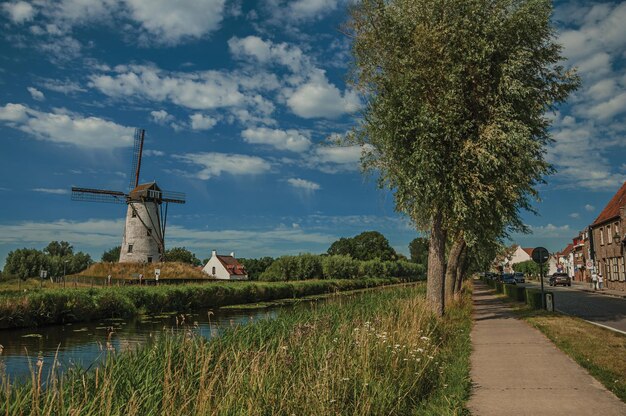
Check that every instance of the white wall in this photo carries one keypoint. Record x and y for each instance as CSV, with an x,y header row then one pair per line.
x,y
135,233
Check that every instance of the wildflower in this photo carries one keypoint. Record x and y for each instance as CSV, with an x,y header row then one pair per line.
x,y
345,379
425,338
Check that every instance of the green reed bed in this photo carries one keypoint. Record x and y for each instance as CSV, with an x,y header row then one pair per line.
x,y
55,306
378,353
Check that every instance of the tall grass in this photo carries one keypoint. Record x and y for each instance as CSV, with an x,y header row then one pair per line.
x,y
169,270
54,306
379,353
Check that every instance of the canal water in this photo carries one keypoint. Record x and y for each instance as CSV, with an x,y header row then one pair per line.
x,y
87,344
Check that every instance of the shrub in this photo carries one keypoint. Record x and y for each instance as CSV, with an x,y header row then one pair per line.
x,y
340,267
533,298
308,266
515,292
372,268
283,268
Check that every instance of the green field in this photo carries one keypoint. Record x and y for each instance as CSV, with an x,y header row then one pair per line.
x,y
377,353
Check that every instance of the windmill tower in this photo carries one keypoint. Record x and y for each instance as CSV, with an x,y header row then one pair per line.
x,y
146,215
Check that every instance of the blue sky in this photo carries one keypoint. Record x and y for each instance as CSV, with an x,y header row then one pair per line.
x,y
241,101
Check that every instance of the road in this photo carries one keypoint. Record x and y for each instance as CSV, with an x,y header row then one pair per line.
x,y
605,310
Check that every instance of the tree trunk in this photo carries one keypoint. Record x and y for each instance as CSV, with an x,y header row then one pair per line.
x,y
452,267
436,265
460,270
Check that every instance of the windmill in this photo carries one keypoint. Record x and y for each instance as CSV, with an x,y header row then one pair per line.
x,y
146,216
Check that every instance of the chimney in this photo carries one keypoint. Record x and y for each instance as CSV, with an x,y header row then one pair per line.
x,y
213,253
232,254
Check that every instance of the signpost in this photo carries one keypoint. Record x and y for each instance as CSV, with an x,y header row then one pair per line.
x,y
157,273
540,256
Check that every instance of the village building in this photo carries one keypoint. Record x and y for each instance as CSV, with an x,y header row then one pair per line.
x,y
581,253
608,239
565,260
225,267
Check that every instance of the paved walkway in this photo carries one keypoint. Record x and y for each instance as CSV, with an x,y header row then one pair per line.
x,y
587,288
516,370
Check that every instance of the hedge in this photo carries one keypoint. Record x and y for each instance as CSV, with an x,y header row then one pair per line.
x,y
521,294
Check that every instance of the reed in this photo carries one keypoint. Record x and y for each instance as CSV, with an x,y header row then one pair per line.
x,y
377,353
56,306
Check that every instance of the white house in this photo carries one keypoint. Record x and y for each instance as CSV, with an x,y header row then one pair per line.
x,y
518,255
225,267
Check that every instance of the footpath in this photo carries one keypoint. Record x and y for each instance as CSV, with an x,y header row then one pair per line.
x,y
516,370
586,287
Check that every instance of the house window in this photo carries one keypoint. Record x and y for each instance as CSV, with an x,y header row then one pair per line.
x,y
130,248
607,267
134,214
213,270
601,237
609,237
149,232
149,259
622,275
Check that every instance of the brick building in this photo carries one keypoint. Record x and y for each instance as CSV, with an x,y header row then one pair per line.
x,y
581,252
609,237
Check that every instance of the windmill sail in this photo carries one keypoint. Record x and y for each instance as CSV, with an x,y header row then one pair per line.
x,y
98,195
136,161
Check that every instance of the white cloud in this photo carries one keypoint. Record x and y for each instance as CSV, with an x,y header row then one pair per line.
x,y
291,140
36,94
171,21
267,52
594,39
19,12
150,152
202,122
214,164
332,159
574,215
319,98
55,191
197,90
65,128
91,232
161,116
589,208
149,21
290,12
304,184
65,87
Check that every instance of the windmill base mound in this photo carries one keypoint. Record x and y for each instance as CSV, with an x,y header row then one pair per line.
x,y
169,270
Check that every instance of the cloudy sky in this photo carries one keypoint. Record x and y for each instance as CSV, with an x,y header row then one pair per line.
x,y
241,101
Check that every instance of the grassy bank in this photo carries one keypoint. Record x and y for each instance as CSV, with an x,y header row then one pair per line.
x,y
601,351
55,306
169,270
378,353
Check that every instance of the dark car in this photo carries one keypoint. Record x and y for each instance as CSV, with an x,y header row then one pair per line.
x,y
508,278
519,277
560,279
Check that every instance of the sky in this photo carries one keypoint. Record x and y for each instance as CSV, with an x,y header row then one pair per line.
x,y
242,102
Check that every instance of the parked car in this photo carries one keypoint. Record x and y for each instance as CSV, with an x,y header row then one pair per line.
x,y
560,279
509,278
519,277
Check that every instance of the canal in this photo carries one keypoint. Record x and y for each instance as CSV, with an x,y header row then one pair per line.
x,y
86,344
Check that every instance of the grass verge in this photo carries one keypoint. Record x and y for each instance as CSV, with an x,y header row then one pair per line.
x,y
600,351
372,354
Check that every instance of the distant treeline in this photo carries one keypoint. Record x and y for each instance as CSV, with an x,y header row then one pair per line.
x,y
56,259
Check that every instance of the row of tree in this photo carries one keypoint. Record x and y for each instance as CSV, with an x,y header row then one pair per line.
x,y
57,259
455,121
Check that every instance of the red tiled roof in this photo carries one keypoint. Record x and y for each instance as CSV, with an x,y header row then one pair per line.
x,y
567,249
612,208
528,250
232,265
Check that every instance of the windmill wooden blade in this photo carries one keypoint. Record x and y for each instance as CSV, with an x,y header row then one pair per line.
x,y
173,197
98,195
136,161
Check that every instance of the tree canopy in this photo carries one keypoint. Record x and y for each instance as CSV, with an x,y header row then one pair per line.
x,y
57,258
418,250
456,94
112,255
368,245
181,254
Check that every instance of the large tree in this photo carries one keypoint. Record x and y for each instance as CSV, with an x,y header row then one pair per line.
x,y
183,255
112,255
368,245
418,249
456,94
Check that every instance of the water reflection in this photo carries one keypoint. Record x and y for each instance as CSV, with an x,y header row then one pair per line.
x,y
86,344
